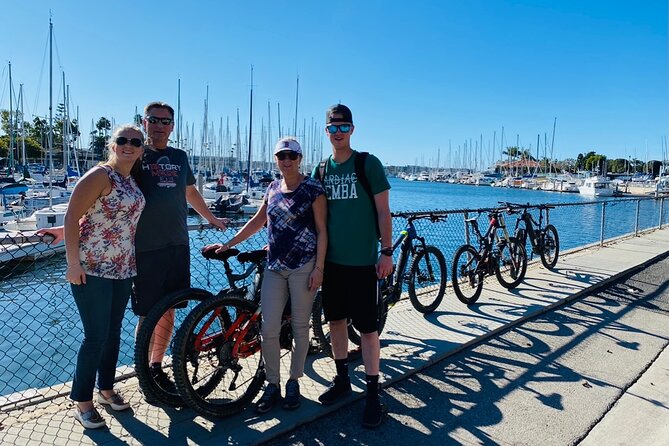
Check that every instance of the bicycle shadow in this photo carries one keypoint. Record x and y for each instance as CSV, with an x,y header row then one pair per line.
x,y
463,399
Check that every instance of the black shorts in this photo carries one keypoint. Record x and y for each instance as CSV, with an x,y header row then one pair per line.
x,y
159,273
349,292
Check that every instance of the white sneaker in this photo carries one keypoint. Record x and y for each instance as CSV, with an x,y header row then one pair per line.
x,y
90,419
115,401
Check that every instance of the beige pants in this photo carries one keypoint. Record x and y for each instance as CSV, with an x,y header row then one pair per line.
x,y
276,287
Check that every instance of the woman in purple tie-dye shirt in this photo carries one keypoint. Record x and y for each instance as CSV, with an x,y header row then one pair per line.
x,y
295,210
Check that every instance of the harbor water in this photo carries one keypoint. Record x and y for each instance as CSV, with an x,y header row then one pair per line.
x,y
40,331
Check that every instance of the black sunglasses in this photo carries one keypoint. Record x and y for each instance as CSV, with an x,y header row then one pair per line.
x,y
163,121
344,128
122,140
287,154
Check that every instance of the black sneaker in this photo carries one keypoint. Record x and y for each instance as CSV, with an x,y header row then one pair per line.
x,y
340,386
292,399
269,398
372,417
162,380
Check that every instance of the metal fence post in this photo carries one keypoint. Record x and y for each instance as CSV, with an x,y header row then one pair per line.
x,y
601,229
636,222
466,216
659,226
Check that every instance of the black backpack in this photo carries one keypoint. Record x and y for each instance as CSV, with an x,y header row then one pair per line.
x,y
360,159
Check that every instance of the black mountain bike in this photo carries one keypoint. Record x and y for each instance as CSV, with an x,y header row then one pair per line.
x,y
498,254
425,280
544,239
180,304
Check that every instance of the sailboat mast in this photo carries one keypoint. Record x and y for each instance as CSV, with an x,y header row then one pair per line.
x,y
248,162
278,114
23,130
64,135
269,134
297,95
179,113
11,125
50,113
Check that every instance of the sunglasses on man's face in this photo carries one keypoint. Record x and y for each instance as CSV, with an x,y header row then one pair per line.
x,y
287,154
122,140
343,128
156,120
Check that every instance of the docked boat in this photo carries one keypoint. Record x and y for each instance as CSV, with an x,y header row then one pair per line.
x,y
597,187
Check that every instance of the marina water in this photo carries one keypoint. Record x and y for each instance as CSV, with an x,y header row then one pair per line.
x,y
36,307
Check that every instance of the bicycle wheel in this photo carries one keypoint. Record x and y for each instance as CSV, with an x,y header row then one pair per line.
x,y
321,328
219,342
466,276
550,247
180,303
512,264
427,279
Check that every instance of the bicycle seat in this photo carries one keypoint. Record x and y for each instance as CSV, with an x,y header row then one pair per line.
x,y
471,219
252,256
211,254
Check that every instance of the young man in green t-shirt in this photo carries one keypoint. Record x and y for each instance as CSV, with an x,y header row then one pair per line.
x,y
353,263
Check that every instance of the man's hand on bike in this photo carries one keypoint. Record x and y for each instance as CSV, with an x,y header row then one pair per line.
x,y
220,223
384,267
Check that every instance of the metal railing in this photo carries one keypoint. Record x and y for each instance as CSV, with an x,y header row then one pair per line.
x,y
40,330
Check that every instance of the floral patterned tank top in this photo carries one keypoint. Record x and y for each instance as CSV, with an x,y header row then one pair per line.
x,y
107,230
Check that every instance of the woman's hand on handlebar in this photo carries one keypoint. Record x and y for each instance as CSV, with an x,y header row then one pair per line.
x,y
216,247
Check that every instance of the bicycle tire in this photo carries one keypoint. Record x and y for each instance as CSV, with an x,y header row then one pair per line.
x,y
182,302
212,319
430,276
505,264
550,247
321,329
466,277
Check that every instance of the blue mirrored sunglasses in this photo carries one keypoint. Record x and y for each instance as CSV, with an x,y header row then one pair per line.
x,y
343,128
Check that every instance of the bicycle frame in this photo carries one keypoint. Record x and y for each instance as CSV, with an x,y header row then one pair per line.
x,y
533,229
491,238
405,241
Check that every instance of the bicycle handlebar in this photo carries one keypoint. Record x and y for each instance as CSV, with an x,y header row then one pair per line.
x,y
510,205
428,215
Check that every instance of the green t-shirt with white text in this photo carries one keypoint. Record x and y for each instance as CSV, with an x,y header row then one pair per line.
x,y
352,236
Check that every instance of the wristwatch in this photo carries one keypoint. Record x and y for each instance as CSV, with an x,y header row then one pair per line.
x,y
387,252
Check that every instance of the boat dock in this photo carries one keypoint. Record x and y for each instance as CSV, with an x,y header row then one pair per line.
x,y
410,343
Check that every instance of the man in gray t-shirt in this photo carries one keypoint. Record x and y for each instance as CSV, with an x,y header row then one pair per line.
x,y
162,251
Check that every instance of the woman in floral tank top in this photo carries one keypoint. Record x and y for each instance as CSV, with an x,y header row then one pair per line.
x,y
100,225
295,210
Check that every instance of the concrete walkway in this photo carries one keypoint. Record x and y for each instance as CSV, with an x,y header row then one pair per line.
x,y
410,342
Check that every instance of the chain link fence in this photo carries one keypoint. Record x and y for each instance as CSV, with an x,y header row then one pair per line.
x,y
40,330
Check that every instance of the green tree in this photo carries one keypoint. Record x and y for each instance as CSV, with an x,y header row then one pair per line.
x,y
595,162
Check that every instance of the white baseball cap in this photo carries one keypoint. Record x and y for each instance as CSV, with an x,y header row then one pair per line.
x,y
288,143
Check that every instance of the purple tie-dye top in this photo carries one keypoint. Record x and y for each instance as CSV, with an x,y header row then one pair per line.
x,y
290,224
107,230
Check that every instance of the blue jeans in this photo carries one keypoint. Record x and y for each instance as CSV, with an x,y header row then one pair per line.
x,y
101,303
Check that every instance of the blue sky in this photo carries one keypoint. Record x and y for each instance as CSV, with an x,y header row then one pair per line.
x,y
419,76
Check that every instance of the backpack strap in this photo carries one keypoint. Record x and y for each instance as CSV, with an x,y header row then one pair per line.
x,y
360,160
321,170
